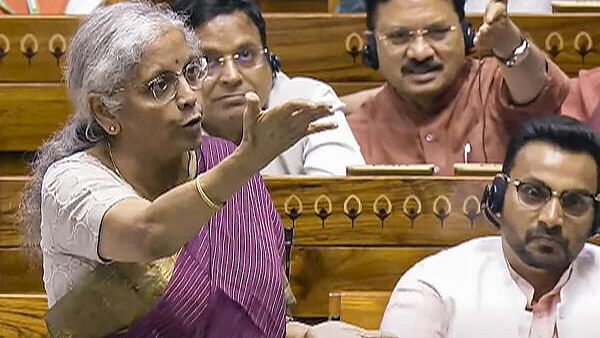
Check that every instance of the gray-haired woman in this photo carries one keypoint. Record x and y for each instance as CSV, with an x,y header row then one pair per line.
x,y
146,228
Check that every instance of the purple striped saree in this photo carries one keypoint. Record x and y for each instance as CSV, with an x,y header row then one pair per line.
x,y
228,281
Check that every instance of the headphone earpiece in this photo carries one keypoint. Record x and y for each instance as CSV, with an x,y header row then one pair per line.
x,y
492,200
468,35
370,56
596,224
274,63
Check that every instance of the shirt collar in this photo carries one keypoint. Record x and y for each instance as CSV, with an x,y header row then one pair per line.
x,y
528,289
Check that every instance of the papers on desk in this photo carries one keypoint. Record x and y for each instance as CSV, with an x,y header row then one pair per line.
x,y
80,7
576,6
48,7
390,170
460,169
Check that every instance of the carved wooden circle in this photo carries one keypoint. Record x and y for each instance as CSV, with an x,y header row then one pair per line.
x,y
329,208
359,45
29,38
412,197
286,204
589,43
358,202
388,203
557,36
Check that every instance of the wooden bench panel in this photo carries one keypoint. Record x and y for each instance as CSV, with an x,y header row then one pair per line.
x,y
361,308
23,315
10,192
403,193
315,45
32,112
317,271
14,163
17,275
295,6
425,198
288,194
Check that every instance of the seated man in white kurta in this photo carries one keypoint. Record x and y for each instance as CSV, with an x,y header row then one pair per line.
x,y
234,39
539,278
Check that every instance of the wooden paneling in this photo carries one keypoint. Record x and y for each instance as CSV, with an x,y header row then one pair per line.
x,y
14,163
23,316
308,44
10,190
457,196
30,113
332,255
294,193
317,271
17,274
32,33
293,6
430,226
361,308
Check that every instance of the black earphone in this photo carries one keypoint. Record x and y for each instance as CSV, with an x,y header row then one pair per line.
x,y
371,58
274,63
492,202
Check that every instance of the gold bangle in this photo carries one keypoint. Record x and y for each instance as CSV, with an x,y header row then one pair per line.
x,y
205,197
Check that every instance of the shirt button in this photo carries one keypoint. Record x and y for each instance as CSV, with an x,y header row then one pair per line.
x,y
436,169
429,137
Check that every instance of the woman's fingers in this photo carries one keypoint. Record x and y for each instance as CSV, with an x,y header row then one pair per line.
x,y
316,127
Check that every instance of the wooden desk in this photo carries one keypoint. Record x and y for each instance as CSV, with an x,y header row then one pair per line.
x,y
397,221
576,6
34,102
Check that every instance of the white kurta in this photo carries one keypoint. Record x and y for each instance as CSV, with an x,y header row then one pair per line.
x,y
467,291
323,154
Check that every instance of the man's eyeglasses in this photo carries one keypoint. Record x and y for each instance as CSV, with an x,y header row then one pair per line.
x,y
245,58
164,87
403,36
535,195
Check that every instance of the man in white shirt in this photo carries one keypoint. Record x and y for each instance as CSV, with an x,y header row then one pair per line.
x,y
539,278
233,38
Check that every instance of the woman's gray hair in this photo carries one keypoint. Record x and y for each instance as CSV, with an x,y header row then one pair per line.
x,y
101,59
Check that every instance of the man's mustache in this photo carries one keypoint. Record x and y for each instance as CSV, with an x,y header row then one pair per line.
x,y
543,231
416,67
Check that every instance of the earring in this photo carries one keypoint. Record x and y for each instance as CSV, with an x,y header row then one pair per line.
x,y
112,129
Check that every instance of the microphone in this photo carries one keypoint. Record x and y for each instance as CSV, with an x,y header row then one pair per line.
x,y
466,152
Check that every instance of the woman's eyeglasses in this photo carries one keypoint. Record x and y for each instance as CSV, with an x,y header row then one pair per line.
x,y
535,195
164,87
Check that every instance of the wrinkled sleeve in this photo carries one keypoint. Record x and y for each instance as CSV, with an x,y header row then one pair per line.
x,y
330,152
416,309
75,197
548,101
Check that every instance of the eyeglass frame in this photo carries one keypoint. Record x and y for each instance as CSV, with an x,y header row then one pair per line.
x,y
412,35
147,84
553,193
222,58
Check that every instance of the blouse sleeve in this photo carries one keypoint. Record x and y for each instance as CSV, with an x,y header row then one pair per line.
x,y
76,195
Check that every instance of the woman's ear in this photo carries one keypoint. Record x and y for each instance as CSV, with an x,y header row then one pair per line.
x,y
107,120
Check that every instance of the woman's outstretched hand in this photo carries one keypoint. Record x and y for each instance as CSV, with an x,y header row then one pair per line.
x,y
268,133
